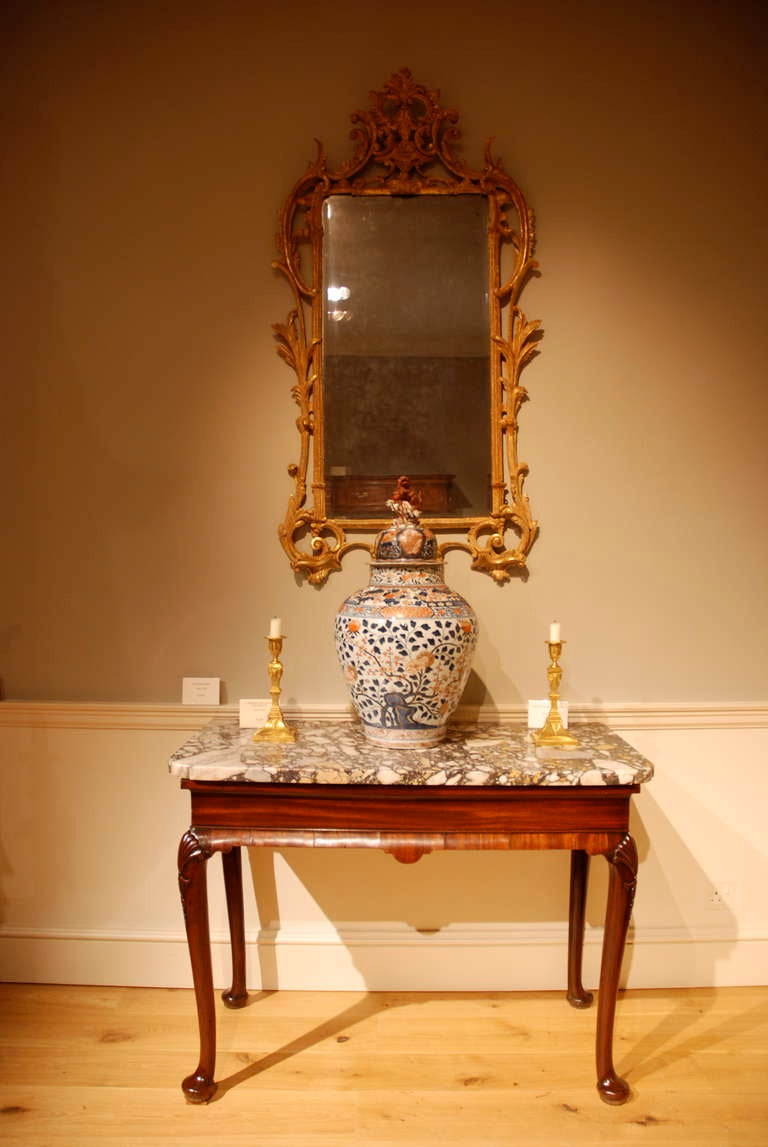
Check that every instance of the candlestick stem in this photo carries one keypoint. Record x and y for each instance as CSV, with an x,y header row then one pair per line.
x,y
553,731
275,729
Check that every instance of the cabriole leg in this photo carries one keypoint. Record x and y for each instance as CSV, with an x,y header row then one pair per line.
x,y
577,997
621,894
236,996
193,855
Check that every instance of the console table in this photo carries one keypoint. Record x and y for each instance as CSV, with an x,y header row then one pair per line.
x,y
485,787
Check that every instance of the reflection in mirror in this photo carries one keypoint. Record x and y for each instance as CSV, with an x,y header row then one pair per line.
x,y
406,352
407,339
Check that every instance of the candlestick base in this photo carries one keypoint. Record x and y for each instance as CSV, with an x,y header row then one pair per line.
x,y
561,740
276,732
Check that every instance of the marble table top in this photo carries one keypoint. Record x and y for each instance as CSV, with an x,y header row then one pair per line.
x,y
337,752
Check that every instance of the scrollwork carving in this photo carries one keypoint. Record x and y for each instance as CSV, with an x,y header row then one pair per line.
x,y
193,852
624,859
405,144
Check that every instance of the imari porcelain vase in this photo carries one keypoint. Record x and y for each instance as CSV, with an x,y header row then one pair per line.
x,y
405,642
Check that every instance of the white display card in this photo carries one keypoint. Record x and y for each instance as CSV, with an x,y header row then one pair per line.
x,y
538,710
200,690
253,712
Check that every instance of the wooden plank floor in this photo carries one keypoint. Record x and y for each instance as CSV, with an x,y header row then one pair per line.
x,y
327,1069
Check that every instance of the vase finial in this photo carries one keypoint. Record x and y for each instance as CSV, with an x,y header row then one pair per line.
x,y
405,502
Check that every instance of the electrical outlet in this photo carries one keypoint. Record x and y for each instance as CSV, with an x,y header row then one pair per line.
x,y
719,896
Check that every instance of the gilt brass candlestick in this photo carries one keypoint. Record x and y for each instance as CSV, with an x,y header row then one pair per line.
x,y
275,730
553,732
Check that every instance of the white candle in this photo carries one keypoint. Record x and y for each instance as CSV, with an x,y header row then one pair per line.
x,y
275,627
554,631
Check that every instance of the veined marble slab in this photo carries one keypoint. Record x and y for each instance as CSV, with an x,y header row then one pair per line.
x,y
338,753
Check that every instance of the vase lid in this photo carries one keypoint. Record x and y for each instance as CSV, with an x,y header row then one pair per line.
x,y
405,540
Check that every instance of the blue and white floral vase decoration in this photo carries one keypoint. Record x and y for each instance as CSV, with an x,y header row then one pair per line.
x,y
406,641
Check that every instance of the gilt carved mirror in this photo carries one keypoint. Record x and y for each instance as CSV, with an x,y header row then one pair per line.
x,y
407,339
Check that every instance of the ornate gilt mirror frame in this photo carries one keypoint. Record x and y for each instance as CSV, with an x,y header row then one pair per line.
x,y
405,146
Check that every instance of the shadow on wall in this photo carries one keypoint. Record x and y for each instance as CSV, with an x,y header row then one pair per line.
x,y
502,900
676,894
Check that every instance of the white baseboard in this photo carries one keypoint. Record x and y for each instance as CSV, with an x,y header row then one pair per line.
x,y
487,958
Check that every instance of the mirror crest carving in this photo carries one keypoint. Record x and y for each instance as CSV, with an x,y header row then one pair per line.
x,y
405,149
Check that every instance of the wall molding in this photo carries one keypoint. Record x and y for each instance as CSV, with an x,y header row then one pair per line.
x,y
387,934
145,716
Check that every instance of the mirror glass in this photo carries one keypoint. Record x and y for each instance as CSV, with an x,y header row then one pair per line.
x,y
406,338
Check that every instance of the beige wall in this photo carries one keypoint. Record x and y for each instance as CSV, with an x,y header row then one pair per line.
x,y
147,424
147,418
